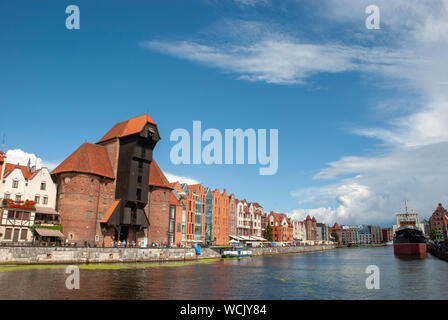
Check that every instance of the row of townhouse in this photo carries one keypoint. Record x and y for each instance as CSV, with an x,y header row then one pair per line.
x,y
113,192
363,234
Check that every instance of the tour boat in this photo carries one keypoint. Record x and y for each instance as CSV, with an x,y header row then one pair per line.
x,y
237,252
409,239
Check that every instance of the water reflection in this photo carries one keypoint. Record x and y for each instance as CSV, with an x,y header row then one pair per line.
x,y
335,274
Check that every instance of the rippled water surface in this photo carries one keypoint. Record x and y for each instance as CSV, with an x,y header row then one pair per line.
x,y
334,274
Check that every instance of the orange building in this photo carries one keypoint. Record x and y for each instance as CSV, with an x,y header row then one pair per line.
x,y
192,202
220,217
282,228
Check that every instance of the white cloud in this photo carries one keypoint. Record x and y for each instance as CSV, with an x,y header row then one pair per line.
x,y
409,53
251,3
175,178
22,157
376,186
281,60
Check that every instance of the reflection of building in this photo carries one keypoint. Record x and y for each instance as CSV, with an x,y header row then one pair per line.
x,y
104,187
29,197
438,223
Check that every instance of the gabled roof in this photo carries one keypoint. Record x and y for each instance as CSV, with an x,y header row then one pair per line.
x,y
2,156
9,167
173,199
157,178
128,127
257,205
88,158
336,226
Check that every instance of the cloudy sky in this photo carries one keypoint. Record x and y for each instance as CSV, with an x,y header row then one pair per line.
x,y
362,114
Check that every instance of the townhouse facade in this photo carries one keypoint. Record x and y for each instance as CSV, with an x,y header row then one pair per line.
x,y
28,200
282,228
438,224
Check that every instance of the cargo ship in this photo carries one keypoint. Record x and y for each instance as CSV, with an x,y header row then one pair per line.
x,y
409,239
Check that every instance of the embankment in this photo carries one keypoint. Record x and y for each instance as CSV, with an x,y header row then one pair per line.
x,y
70,255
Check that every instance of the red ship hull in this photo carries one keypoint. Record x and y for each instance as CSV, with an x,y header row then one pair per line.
x,y
411,250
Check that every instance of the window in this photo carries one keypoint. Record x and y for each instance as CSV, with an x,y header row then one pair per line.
x,y
7,196
43,186
89,214
8,233
139,194
139,179
18,197
37,199
90,198
45,200
70,236
97,238
11,214
26,216
15,184
23,234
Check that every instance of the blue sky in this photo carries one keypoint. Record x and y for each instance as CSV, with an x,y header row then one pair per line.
x,y
361,113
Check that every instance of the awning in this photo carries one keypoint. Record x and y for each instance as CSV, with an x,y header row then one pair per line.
x,y
46,210
49,233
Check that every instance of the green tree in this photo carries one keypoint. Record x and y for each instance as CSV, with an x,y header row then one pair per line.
x,y
335,236
268,233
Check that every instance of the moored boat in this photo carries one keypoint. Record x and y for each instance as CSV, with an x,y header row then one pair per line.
x,y
237,252
409,239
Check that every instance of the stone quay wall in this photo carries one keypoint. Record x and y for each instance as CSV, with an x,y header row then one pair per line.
x,y
71,255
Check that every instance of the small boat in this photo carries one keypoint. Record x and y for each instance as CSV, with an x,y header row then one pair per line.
x,y
237,252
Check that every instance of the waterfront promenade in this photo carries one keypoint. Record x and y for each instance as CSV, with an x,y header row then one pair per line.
x,y
72,255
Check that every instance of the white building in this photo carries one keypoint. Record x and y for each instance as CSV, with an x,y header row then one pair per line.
x,y
299,230
28,197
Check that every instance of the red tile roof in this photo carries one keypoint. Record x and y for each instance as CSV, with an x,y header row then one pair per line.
x,y
88,158
110,211
127,128
336,226
173,199
157,178
9,167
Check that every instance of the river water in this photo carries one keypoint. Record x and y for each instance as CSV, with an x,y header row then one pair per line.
x,y
333,274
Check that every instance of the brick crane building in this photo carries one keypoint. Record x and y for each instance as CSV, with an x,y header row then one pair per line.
x,y
103,188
